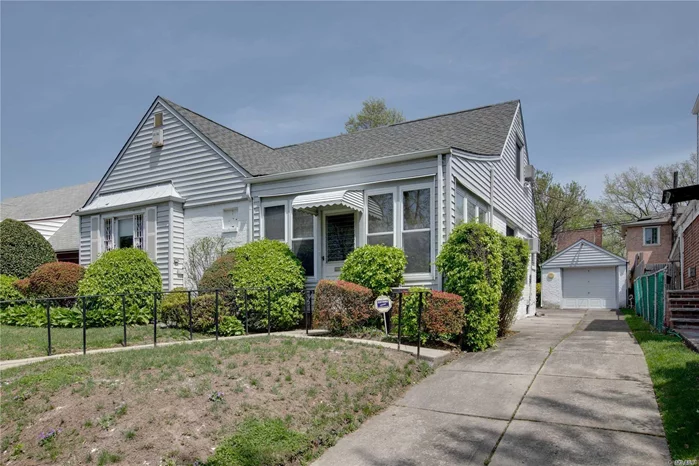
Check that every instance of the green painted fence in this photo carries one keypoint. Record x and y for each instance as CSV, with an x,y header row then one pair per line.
x,y
649,296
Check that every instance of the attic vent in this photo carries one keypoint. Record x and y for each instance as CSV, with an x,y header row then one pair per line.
x,y
158,129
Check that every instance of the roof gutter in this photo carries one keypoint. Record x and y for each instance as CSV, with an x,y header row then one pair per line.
x,y
129,205
350,165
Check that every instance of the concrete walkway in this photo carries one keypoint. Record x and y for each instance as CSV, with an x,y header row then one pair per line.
x,y
572,388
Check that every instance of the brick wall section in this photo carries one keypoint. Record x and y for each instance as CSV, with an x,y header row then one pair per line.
x,y
691,254
651,254
570,237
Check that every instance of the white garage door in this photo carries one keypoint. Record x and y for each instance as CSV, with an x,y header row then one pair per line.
x,y
589,288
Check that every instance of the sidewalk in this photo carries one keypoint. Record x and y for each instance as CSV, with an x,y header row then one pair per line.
x,y
572,388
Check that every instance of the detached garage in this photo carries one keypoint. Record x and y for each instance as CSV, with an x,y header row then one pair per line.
x,y
584,276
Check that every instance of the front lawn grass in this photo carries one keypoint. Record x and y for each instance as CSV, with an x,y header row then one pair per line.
x,y
253,401
674,369
29,342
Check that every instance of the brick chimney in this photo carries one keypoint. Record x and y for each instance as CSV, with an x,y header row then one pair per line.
x,y
598,233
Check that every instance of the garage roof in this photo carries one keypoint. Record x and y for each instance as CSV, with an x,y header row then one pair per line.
x,y
583,254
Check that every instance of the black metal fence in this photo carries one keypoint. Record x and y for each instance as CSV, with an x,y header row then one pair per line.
x,y
254,308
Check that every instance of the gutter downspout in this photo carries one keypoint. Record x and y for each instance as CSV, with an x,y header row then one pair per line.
x,y
447,189
169,247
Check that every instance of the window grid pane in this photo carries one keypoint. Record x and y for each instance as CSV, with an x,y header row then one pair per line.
x,y
138,231
274,223
416,245
304,250
302,224
385,239
380,208
416,209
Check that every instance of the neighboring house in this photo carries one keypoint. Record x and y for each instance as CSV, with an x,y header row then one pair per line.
x,y
51,214
685,250
649,240
181,176
584,276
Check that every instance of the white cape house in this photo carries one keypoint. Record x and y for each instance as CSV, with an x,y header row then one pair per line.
x,y
181,176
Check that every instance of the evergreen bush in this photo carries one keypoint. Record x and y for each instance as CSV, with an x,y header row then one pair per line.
x,y
22,249
265,265
515,260
376,267
471,264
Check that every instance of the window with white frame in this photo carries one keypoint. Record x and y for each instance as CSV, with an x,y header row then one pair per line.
x,y
380,219
651,236
275,222
303,239
468,208
123,232
416,229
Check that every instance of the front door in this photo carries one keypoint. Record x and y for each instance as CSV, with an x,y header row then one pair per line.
x,y
339,239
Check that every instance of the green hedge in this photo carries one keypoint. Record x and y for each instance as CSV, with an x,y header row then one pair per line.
x,y
515,260
22,249
269,264
126,270
34,315
376,267
217,276
471,264
55,280
8,292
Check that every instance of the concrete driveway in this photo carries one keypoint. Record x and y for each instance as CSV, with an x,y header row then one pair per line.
x,y
571,388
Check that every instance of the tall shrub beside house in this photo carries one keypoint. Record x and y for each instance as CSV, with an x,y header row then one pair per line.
x,y
471,264
515,259
126,270
270,271
22,249
376,267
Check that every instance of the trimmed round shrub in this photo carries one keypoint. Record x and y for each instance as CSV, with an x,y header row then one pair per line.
x,y
129,271
376,267
22,286
515,260
443,316
268,264
217,277
22,249
341,306
471,264
8,291
55,280
174,308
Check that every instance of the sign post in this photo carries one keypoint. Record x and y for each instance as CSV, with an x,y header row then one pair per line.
x,y
383,304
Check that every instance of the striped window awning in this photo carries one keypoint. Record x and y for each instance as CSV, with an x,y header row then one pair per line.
x,y
312,202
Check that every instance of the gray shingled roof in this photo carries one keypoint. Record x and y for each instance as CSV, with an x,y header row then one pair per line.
x,y
67,238
55,203
480,131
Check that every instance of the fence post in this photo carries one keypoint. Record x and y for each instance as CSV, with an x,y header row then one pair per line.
x,y
400,317
247,330
48,322
155,319
123,315
307,308
84,327
269,311
419,324
216,314
189,307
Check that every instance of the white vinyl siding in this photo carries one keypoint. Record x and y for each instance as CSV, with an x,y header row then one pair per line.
x,y
47,227
198,172
511,198
177,245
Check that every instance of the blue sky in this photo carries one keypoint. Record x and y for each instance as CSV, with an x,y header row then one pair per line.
x,y
603,86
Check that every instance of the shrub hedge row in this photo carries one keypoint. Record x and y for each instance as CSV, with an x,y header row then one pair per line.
x,y
515,259
443,316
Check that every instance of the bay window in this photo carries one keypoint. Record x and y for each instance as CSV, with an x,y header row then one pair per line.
x,y
123,232
416,229
380,219
303,239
